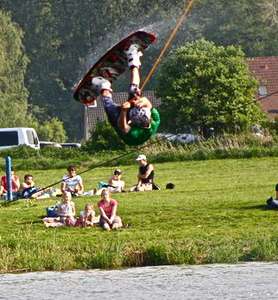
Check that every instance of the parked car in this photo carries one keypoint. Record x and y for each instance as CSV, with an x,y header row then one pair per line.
x,y
13,137
184,138
187,138
167,136
71,145
46,144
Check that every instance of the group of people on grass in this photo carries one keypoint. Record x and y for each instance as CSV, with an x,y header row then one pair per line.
x,y
66,213
73,183
25,190
72,186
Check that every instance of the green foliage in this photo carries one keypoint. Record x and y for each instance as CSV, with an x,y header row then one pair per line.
x,y
13,64
104,137
203,85
250,24
52,130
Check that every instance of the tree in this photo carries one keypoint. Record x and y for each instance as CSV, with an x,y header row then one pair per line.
x,y
250,24
203,85
104,138
13,63
52,130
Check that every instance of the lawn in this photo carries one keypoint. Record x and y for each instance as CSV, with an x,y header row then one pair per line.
x,y
215,214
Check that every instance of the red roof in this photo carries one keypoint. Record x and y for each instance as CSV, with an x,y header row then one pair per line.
x,y
265,69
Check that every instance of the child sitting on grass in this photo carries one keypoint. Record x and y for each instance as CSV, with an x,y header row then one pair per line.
x,y
65,213
108,212
66,210
87,217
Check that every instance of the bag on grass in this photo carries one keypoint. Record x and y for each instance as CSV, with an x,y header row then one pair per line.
x,y
52,211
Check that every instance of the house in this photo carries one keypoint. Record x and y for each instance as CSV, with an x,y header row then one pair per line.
x,y
265,70
92,114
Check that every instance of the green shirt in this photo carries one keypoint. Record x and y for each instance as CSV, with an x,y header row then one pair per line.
x,y
137,135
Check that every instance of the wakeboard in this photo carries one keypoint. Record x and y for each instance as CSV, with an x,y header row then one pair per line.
x,y
111,65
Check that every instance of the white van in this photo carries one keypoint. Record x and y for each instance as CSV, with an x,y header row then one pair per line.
x,y
12,137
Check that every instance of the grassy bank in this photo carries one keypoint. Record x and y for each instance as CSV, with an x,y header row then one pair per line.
x,y
215,214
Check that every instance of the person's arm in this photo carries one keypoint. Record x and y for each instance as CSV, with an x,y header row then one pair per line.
x,y
106,93
114,211
146,175
15,180
110,181
1,190
59,211
24,186
143,102
81,186
73,208
63,186
103,214
123,117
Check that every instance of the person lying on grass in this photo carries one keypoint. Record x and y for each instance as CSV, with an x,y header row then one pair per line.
x,y
87,217
273,203
108,212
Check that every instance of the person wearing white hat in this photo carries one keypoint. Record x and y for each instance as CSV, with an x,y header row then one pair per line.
x,y
145,175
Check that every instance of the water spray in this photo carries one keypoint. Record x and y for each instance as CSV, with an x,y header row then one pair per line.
x,y
185,13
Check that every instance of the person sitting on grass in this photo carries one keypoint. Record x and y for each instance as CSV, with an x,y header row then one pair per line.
x,y
87,217
15,185
115,184
273,203
64,213
29,189
66,210
72,183
145,175
108,212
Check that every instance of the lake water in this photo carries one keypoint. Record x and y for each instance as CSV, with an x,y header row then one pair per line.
x,y
242,281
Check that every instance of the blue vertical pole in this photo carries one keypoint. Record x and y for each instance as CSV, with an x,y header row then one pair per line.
x,y
9,178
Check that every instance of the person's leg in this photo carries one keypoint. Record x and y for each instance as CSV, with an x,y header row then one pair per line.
x,y
276,190
112,110
117,223
133,59
103,224
135,76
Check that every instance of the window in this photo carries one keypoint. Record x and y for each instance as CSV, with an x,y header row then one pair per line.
x,y
262,90
30,137
8,138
